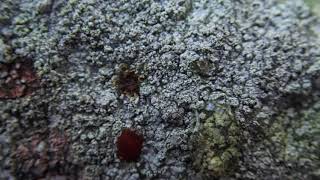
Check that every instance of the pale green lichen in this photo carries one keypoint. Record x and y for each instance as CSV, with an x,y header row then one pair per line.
x,y
314,6
297,139
303,140
217,142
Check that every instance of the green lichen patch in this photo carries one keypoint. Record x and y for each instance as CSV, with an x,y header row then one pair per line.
x,y
217,149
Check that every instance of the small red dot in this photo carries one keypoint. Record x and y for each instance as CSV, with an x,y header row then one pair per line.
x,y
129,145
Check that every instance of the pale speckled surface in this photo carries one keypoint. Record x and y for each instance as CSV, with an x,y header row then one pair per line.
x,y
260,59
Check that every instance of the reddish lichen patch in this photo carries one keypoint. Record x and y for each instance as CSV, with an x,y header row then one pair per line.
x,y
31,157
129,145
17,80
127,82
23,153
41,155
58,146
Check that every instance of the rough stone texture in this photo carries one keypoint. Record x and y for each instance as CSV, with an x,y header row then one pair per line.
x,y
258,59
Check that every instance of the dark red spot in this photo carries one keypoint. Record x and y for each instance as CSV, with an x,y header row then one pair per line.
x,y
17,80
129,145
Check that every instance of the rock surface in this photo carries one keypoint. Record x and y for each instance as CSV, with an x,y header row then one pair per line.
x,y
228,89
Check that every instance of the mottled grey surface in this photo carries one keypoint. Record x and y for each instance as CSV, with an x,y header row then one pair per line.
x,y
258,60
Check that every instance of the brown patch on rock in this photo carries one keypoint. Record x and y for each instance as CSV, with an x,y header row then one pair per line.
x,y
127,81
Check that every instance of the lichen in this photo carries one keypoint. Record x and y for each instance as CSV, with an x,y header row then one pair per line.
x,y
127,81
314,5
17,80
258,57
218,144
295,140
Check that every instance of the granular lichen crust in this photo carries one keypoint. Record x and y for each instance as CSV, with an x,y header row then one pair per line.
x,y
258,58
